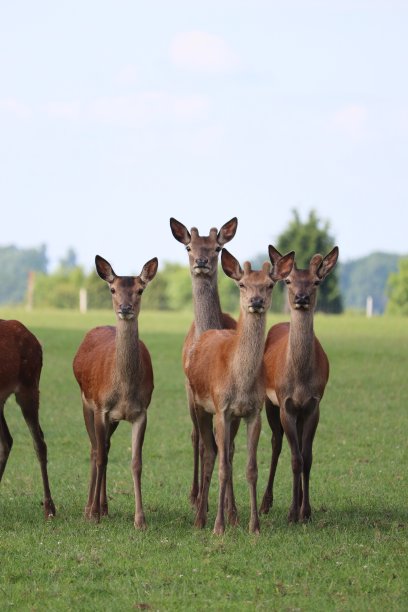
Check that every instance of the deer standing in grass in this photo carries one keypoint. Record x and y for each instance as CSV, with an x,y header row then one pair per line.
x,y
297,371
114,371
203,252
20,371
225,372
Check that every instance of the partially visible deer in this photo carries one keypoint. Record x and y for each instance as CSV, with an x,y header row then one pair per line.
x,y
297,371
203,252
225,372
114,371
20,371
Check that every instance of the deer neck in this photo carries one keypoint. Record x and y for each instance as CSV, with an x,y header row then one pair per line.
x,y
207,306
127,363
247,354
300,354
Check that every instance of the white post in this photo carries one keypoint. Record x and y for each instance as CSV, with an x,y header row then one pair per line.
x,y
83,300
369,306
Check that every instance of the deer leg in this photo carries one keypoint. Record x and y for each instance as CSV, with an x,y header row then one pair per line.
x,y
6,442
197,451
138,433
29,401
100,461
299,429
112,426
207,437
230,505
309,431
222,435
253,433
273,416
288,420
90,427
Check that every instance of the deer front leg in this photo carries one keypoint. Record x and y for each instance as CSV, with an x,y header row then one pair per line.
x,y
6,442
104,496
230,505
253,433
288,420
309,430
207,438
138,432
222,434
197,451
100,464
273,416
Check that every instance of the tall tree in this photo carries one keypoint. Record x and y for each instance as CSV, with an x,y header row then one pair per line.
x,y
15,266
398,290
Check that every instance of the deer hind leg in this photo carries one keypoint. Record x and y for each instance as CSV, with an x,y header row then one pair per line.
x,y
112,426
253,433
309,431
6,441
230,506
100,457
273,416
138,433
210,452
29,401
223,437
288,418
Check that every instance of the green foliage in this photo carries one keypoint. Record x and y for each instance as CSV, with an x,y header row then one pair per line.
x,y
16,264
352,556
59,290
365,277
398,290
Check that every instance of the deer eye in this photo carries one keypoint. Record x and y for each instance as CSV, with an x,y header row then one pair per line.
x,y
271,286
113,290
188,248
140,291
287,281
241,285
218,249
316,283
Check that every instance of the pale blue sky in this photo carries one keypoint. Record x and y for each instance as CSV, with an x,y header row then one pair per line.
x,y
116,115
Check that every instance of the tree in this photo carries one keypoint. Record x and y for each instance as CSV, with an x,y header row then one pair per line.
x,y
16,264
306,239
398,290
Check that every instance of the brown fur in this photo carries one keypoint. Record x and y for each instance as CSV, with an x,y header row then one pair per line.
x,y
20,371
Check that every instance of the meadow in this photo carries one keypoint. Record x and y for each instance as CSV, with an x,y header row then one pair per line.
x,y
351,556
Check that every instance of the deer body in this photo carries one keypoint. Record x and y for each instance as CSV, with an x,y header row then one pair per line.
x,y
20,371
203,253
114,371
297,371
226,376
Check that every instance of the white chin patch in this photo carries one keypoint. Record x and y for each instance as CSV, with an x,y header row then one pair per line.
x,y
126,317
302,306
256,310
199,271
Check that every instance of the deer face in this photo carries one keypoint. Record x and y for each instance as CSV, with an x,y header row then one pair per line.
x,y
303,284
203,251
126,290
256,285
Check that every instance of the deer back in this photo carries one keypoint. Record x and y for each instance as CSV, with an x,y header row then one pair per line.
x,y
23,357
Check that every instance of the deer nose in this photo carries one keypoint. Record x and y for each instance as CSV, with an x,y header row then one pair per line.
x,y
201,262
257,304
125,309
302,299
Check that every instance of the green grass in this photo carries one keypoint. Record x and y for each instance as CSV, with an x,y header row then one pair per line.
x,y
352,556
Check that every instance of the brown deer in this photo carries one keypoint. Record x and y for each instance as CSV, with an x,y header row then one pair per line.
x,y
20,371
225,372
203,253
297,371
114,371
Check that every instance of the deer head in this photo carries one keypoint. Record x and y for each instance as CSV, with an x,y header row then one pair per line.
x,y
256,285
302,284
203,251
126,290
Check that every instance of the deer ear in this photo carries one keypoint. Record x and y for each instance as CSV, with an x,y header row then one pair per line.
x,y
282,267
149,270
179,231
230,265
274,254
328,263
227,232
104,269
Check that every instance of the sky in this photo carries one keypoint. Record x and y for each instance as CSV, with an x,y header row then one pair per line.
x,y
117,115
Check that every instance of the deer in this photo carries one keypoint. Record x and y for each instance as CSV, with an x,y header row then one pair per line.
x,y
114,371
225,372
203,255
297,371
20,371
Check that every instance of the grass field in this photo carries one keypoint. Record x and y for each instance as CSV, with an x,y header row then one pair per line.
x,y
352,556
